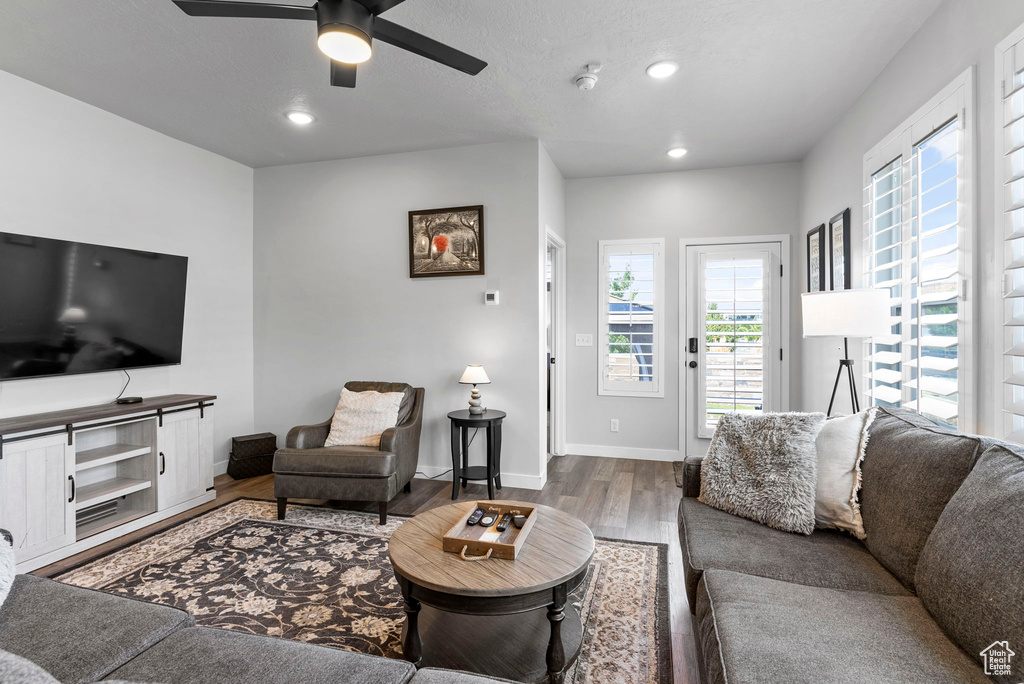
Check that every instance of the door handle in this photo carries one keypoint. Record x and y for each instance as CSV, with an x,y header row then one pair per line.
x,y
692,364
163,463
693,346
72,478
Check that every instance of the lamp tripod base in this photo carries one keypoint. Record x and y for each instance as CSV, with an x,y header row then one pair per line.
x,y
847,364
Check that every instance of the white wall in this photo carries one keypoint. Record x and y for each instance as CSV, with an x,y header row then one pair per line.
x,y
961,33
334,300
71,171
750,200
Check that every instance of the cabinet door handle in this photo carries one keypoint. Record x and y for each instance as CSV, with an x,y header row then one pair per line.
x,y
163,463
72,478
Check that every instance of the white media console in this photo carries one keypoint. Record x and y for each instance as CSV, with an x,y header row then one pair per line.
x,y
71,480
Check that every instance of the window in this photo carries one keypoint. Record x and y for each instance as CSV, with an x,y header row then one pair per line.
x,y
1010,232
917,218
632,294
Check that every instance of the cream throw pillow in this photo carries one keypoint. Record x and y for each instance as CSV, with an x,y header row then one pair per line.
x,y
361,418
7,571
841,445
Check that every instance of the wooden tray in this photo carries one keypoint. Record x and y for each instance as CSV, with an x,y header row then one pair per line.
x,y
477,541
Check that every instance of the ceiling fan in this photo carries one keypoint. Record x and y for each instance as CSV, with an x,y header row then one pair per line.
x,y
346,31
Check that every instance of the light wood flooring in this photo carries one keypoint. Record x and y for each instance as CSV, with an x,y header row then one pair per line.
x,y
617,498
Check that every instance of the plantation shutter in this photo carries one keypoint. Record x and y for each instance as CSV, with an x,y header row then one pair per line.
x,y
1010,217
916,202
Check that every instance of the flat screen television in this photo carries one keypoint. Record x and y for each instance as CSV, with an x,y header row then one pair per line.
x,y
70,307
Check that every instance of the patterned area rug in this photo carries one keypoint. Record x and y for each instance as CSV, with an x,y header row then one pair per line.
x,y
323,576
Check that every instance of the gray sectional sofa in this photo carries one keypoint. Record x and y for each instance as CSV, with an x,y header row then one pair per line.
x,y
938,579
79,635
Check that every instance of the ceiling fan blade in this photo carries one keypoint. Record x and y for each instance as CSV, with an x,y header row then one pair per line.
x,y
419,44
343,75
379,6
247,10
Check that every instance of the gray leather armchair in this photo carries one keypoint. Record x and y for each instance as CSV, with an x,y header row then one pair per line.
x,y
306,469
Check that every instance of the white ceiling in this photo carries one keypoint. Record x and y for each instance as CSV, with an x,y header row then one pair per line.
x,y
761,80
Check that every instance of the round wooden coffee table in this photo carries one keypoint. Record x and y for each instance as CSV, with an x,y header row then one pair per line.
x,y
489,616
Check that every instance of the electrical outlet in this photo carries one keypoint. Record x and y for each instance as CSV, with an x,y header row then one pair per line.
x,y
584,340
615,425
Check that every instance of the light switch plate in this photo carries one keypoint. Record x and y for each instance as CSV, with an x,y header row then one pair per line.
x,y
584,340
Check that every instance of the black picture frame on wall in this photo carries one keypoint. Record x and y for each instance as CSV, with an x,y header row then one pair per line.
x,y
839,250
816,259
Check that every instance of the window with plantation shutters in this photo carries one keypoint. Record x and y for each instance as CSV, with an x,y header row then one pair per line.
x,y
1010,232
631,289
917,219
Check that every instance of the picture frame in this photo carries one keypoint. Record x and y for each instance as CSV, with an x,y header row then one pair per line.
x,y
446,242
816,259
839,249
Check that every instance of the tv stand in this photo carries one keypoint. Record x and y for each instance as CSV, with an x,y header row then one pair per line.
x,y
71,480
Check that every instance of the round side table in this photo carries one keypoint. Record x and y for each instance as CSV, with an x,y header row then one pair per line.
x,y
462,472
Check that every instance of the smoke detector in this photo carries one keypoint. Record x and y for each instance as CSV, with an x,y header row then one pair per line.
x,y
588,79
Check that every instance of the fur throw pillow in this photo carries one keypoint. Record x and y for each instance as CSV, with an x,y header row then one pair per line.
x,y
14,668
764,467
7,570
362,417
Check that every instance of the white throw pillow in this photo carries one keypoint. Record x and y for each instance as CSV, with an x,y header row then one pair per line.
x,y
841,445
361,418
7,570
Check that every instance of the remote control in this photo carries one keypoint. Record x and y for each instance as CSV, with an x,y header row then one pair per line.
x,y
519,521
487,520
475,518
503,523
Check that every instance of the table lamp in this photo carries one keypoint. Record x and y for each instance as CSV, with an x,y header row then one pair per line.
x,y
846,313
475,375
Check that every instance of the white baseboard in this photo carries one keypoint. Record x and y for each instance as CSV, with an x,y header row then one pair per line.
x,y
507,479
220,468
623,452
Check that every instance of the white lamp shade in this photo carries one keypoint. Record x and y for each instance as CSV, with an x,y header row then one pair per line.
x,y
847,313
474,375
73,316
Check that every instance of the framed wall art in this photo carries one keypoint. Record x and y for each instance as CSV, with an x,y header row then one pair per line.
x,y
446,242
816,259
839,249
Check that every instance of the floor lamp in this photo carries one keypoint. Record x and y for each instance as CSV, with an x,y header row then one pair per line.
x,y
846,314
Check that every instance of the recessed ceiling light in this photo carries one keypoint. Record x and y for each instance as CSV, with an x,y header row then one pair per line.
x,y
677,152
300,118
662,69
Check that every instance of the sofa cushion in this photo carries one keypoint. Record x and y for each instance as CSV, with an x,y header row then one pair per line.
x,y
342,461
430,675
80,635
911,469
202,655
714,539
754,629
407,390
17,670
971,572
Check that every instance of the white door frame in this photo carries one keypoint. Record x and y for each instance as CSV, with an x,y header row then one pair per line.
x,y
786,305
558,324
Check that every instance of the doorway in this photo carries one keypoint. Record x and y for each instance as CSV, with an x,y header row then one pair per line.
x,y
734,321
554,360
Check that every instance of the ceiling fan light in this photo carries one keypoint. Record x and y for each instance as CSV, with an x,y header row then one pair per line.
x,y
344,45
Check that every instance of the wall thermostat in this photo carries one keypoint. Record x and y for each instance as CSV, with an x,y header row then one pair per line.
x,y
491,297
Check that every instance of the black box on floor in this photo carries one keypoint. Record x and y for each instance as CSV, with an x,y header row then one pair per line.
x,y
252,455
